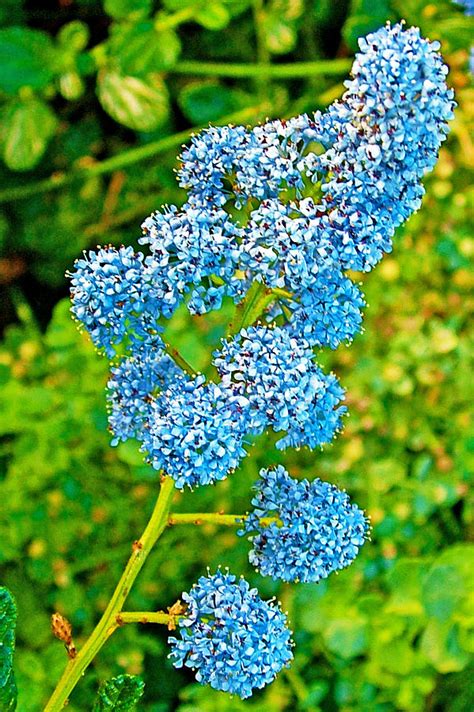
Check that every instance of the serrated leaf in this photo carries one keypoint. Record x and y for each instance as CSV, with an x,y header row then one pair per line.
x,y
25,129
27,59
140,104
120,694
8,691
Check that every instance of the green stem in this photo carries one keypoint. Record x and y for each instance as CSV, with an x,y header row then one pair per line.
x,y
230,520
159,617
108,623
180,360
124,159
326,67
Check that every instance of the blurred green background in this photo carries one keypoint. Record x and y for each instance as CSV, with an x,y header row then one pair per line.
x,y
95,101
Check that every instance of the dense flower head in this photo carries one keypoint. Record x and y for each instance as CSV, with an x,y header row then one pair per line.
x,y
285,389
327,313
387,130
109,295
133,384
189,246
235,641
195,431
315,528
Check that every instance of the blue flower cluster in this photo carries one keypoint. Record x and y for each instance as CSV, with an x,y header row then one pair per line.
x,y
195,431
301,530
468,5
110,296
330,190
134,384
235,641
288,206
319,194
284,387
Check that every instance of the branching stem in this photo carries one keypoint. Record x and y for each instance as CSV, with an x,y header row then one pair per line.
x,y
108,623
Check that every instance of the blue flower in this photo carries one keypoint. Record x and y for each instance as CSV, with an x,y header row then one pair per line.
x,y
386,132
188,246
468,5
322,193
315,528
235,641
327,313
195,432
285,389
109,296
134,383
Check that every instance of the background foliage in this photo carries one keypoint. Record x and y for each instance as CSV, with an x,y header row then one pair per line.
x,y
95,100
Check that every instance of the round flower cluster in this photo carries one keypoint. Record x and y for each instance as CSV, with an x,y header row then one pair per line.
x,y
301,530
109,295
195,431
235,641
284,387
134,383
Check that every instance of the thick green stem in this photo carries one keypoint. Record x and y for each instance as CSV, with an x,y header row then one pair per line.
x,y
124,159
326,67
108,623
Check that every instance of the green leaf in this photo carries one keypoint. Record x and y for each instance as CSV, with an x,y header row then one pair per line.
x,y
440,645
8,691
280,36
209,101
25,129
346,637
140,104
213,16
71,85
139,49
121,9
366,16
74,35
443,590
405,581
119,694
27,59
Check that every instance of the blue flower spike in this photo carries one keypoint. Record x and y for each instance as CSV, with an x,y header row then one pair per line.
x,y
231,638
314,529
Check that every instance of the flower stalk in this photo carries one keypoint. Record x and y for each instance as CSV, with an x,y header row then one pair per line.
x,y
108,623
